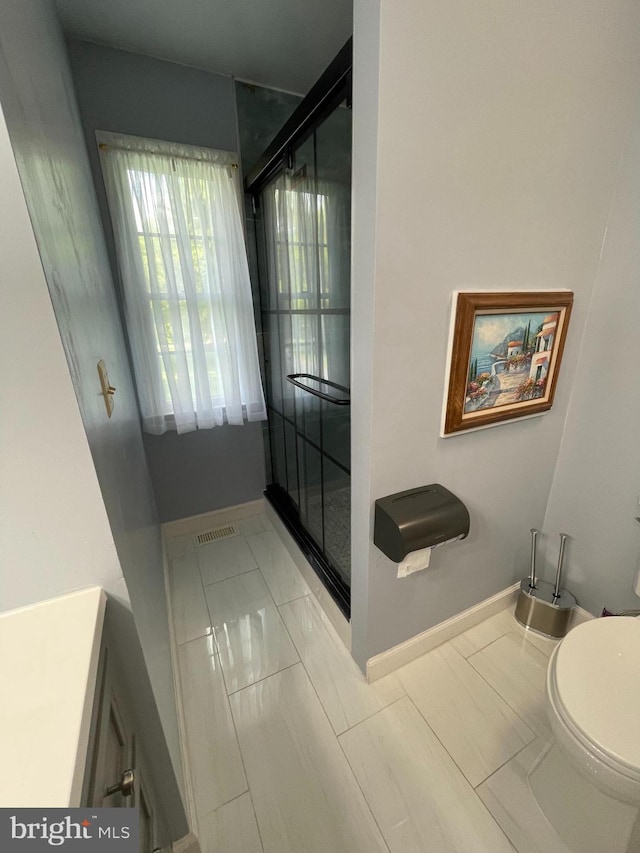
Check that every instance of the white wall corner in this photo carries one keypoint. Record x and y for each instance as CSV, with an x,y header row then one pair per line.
x,y
366,69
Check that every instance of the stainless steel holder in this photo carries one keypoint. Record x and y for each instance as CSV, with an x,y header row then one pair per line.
x,y
544,607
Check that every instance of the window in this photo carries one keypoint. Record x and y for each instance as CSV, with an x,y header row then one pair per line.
x,y
309,258
188,306
301,244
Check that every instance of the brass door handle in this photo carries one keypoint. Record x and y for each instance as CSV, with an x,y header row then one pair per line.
x,y
124,786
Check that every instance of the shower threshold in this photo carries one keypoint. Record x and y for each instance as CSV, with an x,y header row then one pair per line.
x,y
328,574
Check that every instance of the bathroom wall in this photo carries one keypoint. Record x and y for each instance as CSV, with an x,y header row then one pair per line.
x,y
261,113
596,487
189,481
54,528
38,101
128,93
492,154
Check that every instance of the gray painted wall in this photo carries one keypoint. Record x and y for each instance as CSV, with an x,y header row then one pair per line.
x,y
596,486
184,474
54,528
49,490
491,151
127,93
261,114
38,101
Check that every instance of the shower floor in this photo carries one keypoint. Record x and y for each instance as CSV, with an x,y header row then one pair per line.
x,y
337,527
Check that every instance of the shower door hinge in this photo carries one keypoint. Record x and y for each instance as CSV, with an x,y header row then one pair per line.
x,y
255,204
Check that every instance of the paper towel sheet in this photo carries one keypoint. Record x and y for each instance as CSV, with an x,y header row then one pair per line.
x,y
416,561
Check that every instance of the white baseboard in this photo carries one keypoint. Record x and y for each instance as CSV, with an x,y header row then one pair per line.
x,y
188,844
386,662
580,615
333,612
216,518
414,647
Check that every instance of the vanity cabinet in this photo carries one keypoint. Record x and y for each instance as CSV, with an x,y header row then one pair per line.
x,y
77,715
116,774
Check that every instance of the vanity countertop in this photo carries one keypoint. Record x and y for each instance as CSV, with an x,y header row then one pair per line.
x,y
48,667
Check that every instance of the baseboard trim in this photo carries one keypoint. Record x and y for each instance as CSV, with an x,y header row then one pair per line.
x,y
188,844
580,615
185,844
390,660
414,647
217,517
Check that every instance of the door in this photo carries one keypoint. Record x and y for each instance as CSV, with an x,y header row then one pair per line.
x,y
116,770
305,272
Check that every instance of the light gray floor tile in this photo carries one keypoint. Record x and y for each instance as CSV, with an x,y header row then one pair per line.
x,y
508,797
252,639
476,726
341,687
420,799
485,632
230,829
252,525
491,629
217,774
544,644
517,671
224,559
190,614
305,796
178,546
278,569
304,792
265,521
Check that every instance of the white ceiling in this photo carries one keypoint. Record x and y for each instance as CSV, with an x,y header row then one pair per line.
x,y
285,44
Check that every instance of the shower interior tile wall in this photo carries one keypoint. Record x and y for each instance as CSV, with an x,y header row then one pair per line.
x,y
289,750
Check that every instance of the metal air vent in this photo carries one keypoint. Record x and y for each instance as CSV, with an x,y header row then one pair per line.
x,y
213,535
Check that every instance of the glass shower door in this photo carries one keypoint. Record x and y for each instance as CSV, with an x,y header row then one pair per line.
x,y
306,217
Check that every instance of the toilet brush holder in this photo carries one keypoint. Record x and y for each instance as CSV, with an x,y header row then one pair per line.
x,y
542,611
544,607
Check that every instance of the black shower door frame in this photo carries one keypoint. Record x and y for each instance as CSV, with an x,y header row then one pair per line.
x,y
333,89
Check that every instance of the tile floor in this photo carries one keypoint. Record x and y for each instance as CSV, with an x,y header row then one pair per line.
x,y
291,751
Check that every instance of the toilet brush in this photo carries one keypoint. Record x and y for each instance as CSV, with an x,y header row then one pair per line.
x,y
541,606
532,573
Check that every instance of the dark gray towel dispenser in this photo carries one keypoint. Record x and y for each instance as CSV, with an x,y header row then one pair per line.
x,y
418,518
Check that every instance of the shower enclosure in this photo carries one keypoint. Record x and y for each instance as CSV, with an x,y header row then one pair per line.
x,y
301,189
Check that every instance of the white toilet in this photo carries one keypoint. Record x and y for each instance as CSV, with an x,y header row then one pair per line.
x,y
587,782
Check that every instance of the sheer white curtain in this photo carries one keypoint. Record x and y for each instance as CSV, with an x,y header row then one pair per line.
x,y
187,295
306,221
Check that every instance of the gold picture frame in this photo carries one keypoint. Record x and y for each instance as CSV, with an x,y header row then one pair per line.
x,y
505,353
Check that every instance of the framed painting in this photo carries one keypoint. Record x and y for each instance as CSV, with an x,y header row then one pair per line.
x,y
505,355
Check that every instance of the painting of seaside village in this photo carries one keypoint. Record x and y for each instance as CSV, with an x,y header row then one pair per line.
x,y
511,354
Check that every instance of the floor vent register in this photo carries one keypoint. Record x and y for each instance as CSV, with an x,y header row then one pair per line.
x,y
213,535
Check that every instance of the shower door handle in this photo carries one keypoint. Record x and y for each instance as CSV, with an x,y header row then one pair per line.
x,y
294,378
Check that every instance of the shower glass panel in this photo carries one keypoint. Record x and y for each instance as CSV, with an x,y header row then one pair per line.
x,y
305,210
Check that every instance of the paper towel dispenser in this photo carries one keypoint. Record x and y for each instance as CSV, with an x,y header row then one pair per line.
x,y
418,518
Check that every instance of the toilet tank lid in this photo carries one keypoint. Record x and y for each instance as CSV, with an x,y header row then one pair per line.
x,y
597,678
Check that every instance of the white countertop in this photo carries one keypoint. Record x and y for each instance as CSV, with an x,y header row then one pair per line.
x,y
48,666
